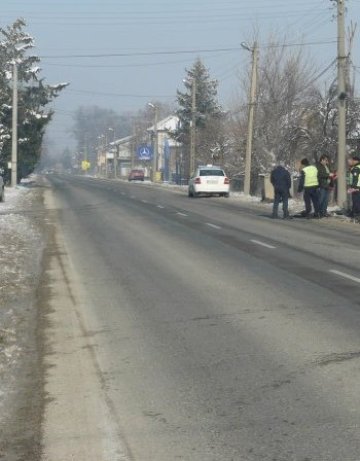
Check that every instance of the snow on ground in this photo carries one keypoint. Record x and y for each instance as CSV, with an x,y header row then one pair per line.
x,y
22,239
20,252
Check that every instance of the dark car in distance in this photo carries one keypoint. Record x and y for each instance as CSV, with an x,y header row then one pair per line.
x,y
136,175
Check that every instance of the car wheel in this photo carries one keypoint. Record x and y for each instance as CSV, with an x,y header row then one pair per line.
x,y
227,195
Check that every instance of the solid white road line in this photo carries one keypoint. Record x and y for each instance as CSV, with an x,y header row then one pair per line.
x,y
214,226
266,245
345,276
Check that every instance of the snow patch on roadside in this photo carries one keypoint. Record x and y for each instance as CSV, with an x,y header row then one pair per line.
x,y
20,252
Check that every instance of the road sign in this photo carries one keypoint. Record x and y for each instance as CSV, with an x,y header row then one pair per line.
x,y
144,152
85,165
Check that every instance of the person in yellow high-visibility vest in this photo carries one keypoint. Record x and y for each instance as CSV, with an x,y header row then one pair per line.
x,y
309,183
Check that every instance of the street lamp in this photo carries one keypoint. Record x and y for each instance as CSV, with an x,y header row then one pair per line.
x,y
252,101
155,153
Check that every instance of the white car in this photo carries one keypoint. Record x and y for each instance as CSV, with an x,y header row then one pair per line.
x,y
209,180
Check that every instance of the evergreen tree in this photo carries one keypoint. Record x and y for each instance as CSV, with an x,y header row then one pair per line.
x,y
208,114
33,97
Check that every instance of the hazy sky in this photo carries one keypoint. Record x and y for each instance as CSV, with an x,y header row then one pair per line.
x,y
153,41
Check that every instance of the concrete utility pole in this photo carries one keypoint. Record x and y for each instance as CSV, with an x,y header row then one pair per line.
x,y
192,128
252,102
350,80
14,153
156,143
342,63
133,145
156,147
111,147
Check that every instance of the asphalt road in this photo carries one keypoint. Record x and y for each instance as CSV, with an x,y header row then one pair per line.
x,y
198,329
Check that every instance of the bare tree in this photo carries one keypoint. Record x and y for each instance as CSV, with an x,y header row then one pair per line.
x,y
283,95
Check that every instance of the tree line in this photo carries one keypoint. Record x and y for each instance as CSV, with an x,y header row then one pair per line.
x,y
295,114
295,111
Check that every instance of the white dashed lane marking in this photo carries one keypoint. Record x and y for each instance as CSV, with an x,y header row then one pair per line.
x,y
345,276
214,226
160,206
266,245
181,214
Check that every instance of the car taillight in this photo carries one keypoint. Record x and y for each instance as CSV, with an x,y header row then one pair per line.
x,y
226,181
197,181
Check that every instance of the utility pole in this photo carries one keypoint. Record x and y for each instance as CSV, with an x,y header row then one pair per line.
x,y
350,80
156,148
111,147
252,102
116,155
192,128
133,145
156,143
14,153
342,68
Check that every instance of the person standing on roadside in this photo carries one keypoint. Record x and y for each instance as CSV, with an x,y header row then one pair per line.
x,y
324,177
281,180
354,186
309,183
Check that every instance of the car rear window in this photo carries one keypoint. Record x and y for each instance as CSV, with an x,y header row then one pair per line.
x,y
212,173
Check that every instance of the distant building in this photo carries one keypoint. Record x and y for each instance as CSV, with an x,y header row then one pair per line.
x,y
168,148
169,151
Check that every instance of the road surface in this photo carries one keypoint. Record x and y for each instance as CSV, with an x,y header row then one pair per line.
x,y
197,329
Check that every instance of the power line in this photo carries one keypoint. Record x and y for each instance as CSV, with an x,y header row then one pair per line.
x,y
177,52
120,94
140,53
116,66
321,73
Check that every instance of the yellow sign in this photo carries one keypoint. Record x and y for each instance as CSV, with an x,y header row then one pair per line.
x,y
85,165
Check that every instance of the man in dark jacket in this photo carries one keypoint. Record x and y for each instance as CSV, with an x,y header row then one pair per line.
x,y
354,186
324,177
281,180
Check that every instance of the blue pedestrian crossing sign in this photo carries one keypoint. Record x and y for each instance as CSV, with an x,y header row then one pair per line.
x,y
144,152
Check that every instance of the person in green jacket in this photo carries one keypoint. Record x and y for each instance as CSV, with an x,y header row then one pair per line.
x,y
309,183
